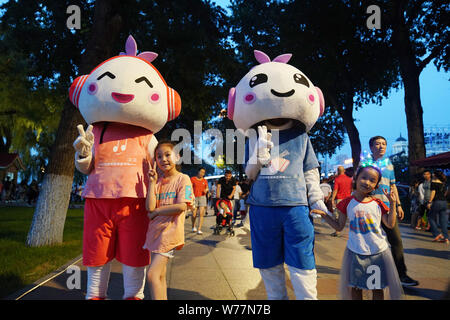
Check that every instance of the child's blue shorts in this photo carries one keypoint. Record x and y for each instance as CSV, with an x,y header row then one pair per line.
x,y
282,234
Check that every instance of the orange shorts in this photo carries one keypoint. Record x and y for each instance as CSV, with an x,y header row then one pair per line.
x,y
115,228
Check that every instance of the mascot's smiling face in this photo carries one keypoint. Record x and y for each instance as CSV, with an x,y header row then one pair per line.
x,y
126,89
274,91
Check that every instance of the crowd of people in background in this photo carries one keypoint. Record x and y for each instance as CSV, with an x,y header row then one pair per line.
x,y
429,197
10,191
208,193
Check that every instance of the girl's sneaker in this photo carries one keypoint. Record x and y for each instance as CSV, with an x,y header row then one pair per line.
x,y
199,232
194,229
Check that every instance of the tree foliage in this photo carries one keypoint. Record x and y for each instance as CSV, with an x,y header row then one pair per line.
x,y
190,38
418,33
328,44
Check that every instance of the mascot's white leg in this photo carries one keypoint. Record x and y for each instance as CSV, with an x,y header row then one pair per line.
x,y
275,282
98,278
304,283
133,281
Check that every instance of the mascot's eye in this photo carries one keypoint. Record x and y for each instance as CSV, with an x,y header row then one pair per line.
x,y
258,79
144,79
299,78
107,73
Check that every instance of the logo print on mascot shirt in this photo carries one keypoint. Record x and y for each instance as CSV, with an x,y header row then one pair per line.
x,y
126,89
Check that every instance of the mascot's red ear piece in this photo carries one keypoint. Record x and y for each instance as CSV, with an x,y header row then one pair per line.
x,y
173,104
231,102
75,89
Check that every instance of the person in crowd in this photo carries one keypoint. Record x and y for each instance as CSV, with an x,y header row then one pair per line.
x,y
245,187
367,246
438,207
236,199
224,215
378,157
342,189
33,192
201,189
213,195
7,189
414,201
168,198
226,186
327,192
424,198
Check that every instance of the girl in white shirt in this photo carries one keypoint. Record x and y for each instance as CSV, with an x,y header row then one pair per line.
x,y
367,262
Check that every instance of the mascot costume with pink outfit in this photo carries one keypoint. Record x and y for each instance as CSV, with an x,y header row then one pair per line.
x,y
125,101
280,102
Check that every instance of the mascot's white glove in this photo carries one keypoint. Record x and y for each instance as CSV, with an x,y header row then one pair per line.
x,y
83,144
260,155
264,144
83,147
315,195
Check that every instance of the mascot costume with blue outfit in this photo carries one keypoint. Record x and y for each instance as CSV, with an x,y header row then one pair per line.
x,y
125,101
280,102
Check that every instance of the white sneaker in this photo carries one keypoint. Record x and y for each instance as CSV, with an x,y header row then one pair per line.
x,y
199,232
194,229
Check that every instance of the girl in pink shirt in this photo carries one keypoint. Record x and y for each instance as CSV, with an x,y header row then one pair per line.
x,y
168,198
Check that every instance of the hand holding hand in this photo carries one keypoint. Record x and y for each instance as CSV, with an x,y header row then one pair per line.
x,y
319,212
83,144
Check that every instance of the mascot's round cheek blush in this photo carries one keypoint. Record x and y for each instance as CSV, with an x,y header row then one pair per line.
x,y
154,97
92,88
311,98
249,98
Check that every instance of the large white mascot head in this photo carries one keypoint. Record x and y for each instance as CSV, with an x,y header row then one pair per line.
x,y
126,89
274,91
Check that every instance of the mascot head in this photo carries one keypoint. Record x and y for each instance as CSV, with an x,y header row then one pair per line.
x,y
274,91
126,89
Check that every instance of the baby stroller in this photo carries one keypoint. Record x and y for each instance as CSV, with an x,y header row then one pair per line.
x,y
222,221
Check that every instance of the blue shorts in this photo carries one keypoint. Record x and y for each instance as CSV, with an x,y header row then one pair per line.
x,y
282,234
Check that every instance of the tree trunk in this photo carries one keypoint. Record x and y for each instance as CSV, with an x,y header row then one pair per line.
x,y
50,214
410,72
353,135
346,112
414,120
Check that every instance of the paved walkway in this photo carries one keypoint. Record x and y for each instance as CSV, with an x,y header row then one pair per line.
x,y
220,267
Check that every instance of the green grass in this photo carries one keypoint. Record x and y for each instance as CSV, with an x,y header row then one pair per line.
x,y
21,265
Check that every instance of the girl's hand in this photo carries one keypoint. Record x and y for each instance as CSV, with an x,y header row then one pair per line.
x,y
152,174
320,212
390,195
